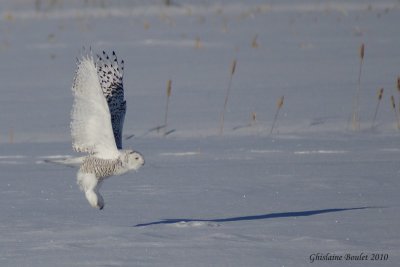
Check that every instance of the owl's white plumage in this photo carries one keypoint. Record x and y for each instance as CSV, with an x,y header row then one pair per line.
x,y
92,130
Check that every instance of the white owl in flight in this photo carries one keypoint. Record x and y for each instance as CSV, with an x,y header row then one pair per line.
x,y
97,119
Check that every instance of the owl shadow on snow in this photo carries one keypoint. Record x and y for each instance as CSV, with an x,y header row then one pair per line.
x,y
253,217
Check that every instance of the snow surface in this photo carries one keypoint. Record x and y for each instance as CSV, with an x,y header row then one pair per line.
x,y
246,198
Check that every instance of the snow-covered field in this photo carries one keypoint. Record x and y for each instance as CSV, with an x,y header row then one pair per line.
x,y
244,198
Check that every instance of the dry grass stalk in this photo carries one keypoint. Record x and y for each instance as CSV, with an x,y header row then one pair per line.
x,y
395,111
198,44
398,83
253,118
11,136
398,89
146,25
362,48
233,67
228,89
356,104
380,95
279,105
254,43
393,103
169,90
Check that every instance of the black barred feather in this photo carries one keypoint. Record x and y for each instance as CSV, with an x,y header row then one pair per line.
x,y
111,73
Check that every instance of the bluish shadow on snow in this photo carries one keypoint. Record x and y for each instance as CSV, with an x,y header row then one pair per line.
x,y
253,217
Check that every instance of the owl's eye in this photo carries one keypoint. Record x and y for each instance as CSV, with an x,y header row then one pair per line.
x,y
137,158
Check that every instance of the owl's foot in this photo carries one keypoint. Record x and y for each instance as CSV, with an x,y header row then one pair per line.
x,y
95,199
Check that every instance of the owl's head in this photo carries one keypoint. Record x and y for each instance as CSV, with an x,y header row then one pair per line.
x,y
133,159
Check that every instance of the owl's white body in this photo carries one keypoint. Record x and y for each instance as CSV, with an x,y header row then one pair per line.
x,y
92,129
95,170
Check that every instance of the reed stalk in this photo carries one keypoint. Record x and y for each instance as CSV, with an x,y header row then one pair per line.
x,y
11,136
380,95
228,89
253,118
169,90
198,44
398,90
356,104
395,111
254,43
279,105
398,83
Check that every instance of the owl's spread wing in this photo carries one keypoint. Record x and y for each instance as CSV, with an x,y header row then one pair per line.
x,y
111,73
91,121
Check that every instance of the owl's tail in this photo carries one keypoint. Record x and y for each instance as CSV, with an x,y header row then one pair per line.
x,y
70,162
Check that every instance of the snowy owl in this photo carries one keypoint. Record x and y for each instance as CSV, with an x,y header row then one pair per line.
x,y
97,120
